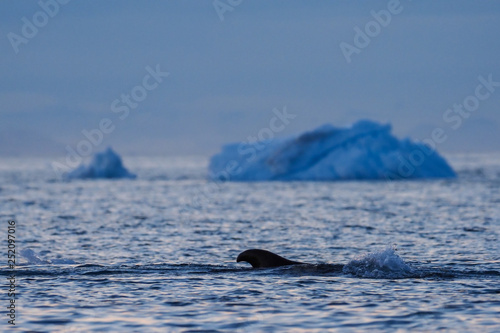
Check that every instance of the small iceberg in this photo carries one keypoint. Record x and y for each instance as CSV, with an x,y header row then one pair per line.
x,y
366,150
107,164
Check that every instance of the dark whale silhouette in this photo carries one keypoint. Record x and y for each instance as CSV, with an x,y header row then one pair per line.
x,y
262,258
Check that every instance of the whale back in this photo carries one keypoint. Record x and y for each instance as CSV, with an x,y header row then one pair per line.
x,y
262,258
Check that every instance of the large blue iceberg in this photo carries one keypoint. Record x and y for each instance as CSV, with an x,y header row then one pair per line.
x,y
107,164
366,150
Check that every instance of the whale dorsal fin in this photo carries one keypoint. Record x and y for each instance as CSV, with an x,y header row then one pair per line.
x,y
262,258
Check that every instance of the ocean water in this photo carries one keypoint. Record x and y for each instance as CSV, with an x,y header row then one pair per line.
x,y
157,254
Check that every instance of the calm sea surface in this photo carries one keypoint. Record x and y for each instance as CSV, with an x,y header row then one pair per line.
x,y
157,254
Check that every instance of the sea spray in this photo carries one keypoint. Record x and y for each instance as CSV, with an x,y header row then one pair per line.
x,y
385,264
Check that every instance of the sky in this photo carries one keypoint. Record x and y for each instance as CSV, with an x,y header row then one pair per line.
x,y
185,77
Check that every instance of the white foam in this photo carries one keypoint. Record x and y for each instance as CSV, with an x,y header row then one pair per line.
x,y
33,258
381,264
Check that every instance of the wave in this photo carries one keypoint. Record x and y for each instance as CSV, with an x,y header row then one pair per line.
x,y
383,264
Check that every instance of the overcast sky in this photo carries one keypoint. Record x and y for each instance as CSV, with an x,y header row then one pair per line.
x,y
226,76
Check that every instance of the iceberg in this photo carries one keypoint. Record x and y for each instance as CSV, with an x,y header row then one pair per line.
x,y
107,164
366,150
